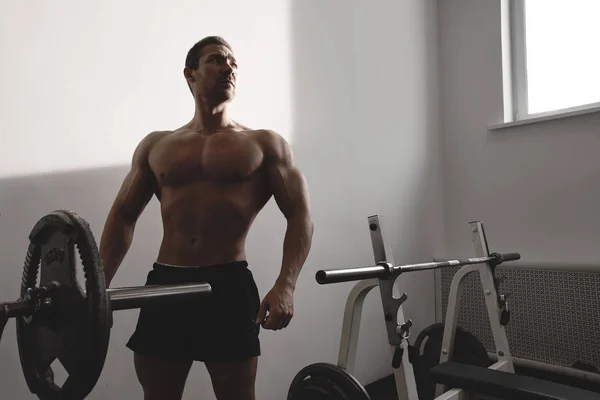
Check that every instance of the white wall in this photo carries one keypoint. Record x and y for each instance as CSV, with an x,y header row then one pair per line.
x,y
102,76
367,137
535,187
356,94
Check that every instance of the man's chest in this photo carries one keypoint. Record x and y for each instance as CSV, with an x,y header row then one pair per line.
x,y
226,157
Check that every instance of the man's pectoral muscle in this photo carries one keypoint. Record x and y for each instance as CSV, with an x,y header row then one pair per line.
x,y
290,192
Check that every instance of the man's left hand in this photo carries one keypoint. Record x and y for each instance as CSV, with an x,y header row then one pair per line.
x,y
279,303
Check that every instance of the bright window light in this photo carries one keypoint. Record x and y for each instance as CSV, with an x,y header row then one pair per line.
x,y
555,46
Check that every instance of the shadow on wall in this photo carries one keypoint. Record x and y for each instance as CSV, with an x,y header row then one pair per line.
x,y
90,193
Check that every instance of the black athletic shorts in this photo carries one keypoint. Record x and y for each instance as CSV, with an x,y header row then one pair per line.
x,y
217,327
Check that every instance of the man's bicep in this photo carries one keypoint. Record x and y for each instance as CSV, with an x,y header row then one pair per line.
x,y
287,182
135,193
289,189
137,188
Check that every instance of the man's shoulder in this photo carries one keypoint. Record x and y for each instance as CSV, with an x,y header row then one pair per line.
x,y
148,142
269,138
155,136
152,138
270,134
274,145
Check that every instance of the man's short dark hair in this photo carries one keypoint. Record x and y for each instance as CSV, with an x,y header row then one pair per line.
x,y
193,56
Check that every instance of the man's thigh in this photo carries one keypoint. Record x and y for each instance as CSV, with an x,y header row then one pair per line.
x,y
161,379
233,379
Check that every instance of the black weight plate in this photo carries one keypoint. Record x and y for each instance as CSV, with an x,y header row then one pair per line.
x,y
322,381
427,347
75,327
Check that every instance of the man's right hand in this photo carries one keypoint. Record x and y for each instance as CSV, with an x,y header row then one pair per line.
x,y
279,303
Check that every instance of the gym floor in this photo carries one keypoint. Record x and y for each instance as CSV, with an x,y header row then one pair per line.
x,y
384,389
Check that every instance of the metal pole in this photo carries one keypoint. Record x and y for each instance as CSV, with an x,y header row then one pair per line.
x,y
381,271
350,274
136,297
393,311
121,298
17,309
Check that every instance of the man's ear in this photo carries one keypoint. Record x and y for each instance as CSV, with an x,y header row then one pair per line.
x,y
189,74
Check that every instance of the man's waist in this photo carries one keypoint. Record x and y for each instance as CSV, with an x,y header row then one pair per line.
x,y
199,254
228,264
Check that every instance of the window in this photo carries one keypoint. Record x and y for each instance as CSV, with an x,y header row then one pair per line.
x,y
554,48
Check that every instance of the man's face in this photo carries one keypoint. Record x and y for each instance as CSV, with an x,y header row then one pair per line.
x,y
215,77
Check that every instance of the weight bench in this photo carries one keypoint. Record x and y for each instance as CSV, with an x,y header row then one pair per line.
x,y
503,385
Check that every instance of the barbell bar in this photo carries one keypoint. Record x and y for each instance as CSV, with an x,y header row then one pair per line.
x,y
57,318
136,297
126,298
383,269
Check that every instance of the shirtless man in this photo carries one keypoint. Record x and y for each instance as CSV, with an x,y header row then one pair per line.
x,y
212,177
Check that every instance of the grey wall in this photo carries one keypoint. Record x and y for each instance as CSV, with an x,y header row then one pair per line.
x,y
367,132
352,86
535,187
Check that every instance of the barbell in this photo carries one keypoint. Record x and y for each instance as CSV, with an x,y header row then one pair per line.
x,y
58,319
383,270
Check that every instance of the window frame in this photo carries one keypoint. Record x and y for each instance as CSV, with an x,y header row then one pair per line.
x,y
517,43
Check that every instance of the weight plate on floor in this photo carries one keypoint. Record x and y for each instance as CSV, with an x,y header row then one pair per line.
x,y
426,355
322,381
74,326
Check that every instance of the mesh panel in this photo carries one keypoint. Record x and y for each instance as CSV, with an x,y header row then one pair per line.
x,y
554,315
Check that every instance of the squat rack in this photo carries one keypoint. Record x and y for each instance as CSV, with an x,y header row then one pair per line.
x,y
397,325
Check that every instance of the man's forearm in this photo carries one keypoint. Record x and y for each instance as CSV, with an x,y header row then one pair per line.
x,y
296,246
114,245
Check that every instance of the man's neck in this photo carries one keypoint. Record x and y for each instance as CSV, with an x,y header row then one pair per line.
x,y
210,119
